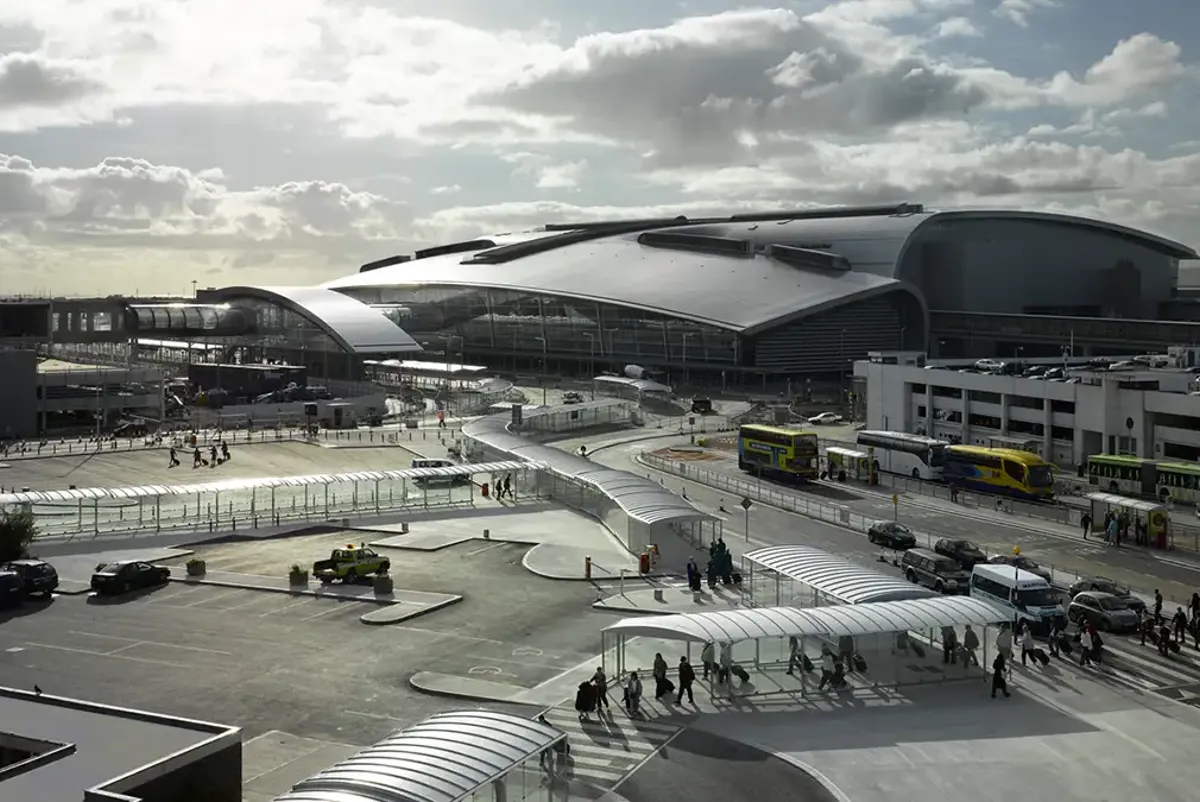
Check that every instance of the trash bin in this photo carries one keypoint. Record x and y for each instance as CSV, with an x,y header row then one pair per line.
x,y
644,562
483,488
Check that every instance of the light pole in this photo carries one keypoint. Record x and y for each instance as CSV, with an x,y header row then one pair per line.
x,y
193,289
842,358
591,338
611,345
544,347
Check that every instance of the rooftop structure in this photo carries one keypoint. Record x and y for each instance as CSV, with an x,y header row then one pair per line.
x,y
61,749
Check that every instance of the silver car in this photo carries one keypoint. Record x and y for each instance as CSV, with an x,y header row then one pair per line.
x,y
1105,611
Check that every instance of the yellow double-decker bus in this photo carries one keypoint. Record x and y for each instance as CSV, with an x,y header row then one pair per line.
x,y
779,453
1003,471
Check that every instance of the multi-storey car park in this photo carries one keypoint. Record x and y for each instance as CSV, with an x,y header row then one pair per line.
x,y
1131,409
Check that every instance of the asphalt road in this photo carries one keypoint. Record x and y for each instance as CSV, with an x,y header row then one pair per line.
x,y
701,767
269,661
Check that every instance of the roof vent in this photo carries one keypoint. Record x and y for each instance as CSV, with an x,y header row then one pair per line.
x,y
388,262
517,250
697,243
808,258
456,247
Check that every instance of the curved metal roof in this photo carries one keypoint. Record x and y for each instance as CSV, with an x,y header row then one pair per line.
x,y
846,581
750,623
714,289
445,758
230,485
356,327
642,499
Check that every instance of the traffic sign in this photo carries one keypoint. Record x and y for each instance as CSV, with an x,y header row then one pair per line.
x,y
692,420
895,499
746,503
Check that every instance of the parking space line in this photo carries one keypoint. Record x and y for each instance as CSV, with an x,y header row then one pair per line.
x,y
323,613
485,548
458,635
221,595
287,606
254,599
131,642
94,653
526,663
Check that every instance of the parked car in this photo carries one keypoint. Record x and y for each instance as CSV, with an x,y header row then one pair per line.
x,y
703,406
12,589
1108,613
936,571
891,534
1101,585
126,575
572,397
963,552
1022,562
38,577
825,419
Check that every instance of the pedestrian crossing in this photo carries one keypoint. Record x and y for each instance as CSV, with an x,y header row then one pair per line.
x,y
1140,669
608,747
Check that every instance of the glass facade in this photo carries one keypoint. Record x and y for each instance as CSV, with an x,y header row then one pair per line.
x,y
504,327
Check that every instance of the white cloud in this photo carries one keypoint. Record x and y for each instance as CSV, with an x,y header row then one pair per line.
x,y
956,27
1019,11
317,134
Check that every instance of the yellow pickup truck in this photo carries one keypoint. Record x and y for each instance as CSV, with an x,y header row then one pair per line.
x,y
349,564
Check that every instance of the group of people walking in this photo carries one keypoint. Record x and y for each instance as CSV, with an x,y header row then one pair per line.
x,y
218,454
592,695
718,569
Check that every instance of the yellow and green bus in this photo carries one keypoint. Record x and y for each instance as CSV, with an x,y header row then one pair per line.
x,y
778,453
1134,476
1002,471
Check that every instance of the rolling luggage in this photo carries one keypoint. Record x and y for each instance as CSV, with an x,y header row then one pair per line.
x,y
1040,656
1174,647
740,673
806,663
1065,645
860,663
737,578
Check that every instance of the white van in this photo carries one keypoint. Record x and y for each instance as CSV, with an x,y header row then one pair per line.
x,y
1028,596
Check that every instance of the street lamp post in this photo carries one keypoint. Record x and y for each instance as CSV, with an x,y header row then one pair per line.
x,y
686,337
544,357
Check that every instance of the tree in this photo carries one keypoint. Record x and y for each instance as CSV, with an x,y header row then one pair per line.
x,y
17,532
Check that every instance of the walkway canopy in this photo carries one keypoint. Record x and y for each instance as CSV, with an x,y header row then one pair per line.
x,y
445,758
642,499
754,623
842,581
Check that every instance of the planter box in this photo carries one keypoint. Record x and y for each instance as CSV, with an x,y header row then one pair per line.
x,y
298,579
197,568
384,585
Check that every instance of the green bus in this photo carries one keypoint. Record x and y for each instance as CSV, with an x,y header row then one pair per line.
x,y
1134,476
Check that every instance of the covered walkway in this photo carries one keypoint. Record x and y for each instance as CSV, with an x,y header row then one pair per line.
x,y
806,577
465,756
880,644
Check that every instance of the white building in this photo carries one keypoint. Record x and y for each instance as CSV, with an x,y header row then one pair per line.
x,y
1141,411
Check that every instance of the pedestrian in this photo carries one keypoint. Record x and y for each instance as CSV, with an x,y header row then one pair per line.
x,y
174,458
949,645
687,677
999,670
1194,606
585,700
708,658
1180,621
1085,647
795,656
224,451
1004,644
633,694
724,674
693,574
1113,532
1055,634
1158,605
1028,645
197,458
662,685
601,682
1085,523
970,646
827,668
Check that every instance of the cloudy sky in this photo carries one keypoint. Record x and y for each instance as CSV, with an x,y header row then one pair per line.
x,y
144,145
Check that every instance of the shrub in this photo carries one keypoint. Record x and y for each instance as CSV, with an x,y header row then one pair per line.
x,y
17,533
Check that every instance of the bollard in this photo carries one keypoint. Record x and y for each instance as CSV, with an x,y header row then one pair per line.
x,y
658,594
487,534
587,567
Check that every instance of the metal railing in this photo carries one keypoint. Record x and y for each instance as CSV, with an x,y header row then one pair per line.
x,y
774,496
82,446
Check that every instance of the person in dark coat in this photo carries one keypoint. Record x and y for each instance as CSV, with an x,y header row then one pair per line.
x,y
999,683
687,677
585,700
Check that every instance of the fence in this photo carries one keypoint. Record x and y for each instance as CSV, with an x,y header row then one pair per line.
x,y
231,510
774,496
237,437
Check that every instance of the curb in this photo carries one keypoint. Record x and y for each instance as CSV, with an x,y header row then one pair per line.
x,y
221,583
365,618
516,689
821,779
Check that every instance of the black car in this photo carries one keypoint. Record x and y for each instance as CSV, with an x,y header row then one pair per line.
x,y
963,552
12,590
891,534
38,577
126,575
1023,563
1099,584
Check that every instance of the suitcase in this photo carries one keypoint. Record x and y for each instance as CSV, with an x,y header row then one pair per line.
x,y
669,686
860,663
740,673
1174,647
1041,657
737,579
1065,645
806,663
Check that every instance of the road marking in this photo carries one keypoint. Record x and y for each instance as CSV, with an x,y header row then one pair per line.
x,y
143,642
460,636
221,595
527,651
94,653
379,716
526,663
333,609
254,599
491,671
287,606
485,548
